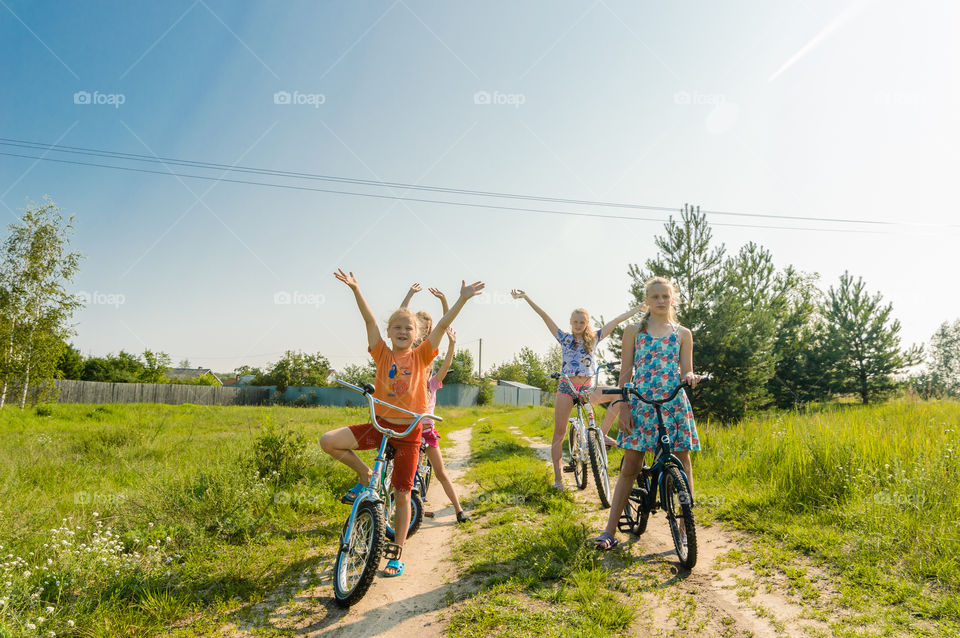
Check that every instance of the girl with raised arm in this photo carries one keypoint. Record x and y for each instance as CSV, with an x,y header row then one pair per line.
x,y
401,380
578,347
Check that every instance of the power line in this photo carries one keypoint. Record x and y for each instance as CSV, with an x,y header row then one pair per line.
x,y
461,203
400,185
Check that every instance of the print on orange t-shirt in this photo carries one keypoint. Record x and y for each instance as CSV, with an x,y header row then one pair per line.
x,y
402,378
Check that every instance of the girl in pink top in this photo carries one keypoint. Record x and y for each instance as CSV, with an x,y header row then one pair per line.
x,y
430,436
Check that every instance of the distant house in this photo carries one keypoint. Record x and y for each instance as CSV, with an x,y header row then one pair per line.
x,y
513,393
178,375
246,379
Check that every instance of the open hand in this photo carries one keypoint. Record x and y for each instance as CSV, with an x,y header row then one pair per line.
x,y
436,292
518,294
451,335
415,288
470,290
348,279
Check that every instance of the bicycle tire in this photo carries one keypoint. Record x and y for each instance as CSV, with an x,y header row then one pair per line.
x,y
416,514
366,547
601,476
579,463
678,503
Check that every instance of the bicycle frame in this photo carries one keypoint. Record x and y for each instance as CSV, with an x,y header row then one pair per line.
x,y
584,405
371,492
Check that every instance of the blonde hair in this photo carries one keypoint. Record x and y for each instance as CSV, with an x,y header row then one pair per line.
x,y
401,313
424,326
589,337
645,309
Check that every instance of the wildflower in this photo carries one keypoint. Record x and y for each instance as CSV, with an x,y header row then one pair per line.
x,y
26,574
31,626
49,610
40,619
96,514
70,623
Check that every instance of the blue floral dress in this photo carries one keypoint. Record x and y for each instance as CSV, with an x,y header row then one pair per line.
x,y
656,372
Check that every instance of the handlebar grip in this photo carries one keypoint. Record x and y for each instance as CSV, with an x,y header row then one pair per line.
x,y
555,375
611,391
368,389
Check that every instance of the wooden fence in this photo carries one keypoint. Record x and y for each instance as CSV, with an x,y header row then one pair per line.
x,y
172,393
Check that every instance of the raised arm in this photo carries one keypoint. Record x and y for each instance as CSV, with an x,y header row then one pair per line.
x,y
466,291
616,321
373,332
447,360
442,297
626,370
414,289
551,324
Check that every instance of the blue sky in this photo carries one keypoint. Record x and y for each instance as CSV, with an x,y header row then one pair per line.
x,y
812,109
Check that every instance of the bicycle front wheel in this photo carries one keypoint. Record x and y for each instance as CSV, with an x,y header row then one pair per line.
x,y
357,561
598,462
577,455
679,505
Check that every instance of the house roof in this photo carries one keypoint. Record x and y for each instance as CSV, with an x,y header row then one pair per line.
x,y
514,384
187,373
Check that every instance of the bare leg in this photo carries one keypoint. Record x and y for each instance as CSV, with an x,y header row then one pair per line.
x,y
401,521
562,405
436,460
684,456
340,444
628,476
598,398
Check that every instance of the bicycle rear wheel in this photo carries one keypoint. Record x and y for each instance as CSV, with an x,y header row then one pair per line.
x,y
357,562
678,503
598,462
416,514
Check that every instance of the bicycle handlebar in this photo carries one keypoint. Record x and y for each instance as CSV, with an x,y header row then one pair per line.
x,y
629,388
596,377
367,391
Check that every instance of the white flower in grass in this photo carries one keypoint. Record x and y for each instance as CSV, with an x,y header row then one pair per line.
x,y
40,619
70,623
26,574
49,610
96,514
31,626
52,633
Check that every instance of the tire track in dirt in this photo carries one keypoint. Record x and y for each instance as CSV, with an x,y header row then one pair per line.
x,y
714,599
410,605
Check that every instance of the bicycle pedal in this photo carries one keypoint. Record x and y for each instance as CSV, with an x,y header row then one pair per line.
x,y
392,551
568,468
625,524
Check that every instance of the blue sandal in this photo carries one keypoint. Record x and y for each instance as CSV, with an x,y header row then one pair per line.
x,y
352,494
393,564
605,542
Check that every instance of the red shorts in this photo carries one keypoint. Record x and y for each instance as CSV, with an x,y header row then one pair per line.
x,y
406,449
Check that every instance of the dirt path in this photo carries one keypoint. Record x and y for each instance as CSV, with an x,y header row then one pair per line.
x,y
409,606
717,598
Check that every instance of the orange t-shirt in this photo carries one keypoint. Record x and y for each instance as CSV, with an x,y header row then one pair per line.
x,y
402,378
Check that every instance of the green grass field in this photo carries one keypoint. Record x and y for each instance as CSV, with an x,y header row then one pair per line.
x,y
126,520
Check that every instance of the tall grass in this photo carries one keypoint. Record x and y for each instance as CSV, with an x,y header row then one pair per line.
x,y
874,490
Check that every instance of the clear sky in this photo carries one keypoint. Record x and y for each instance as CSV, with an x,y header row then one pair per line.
x,y
825,109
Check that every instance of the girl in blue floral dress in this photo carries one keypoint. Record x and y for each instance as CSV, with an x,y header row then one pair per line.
x,y
657,356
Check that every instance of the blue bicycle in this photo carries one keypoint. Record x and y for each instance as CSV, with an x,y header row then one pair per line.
x,y
665,478
362,543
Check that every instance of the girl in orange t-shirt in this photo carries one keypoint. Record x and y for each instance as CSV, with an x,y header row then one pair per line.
x,y
401,380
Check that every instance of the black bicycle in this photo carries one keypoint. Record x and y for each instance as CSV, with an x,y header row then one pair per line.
x,y
666,479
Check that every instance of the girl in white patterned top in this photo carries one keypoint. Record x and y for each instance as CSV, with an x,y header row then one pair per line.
x,y
578,347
